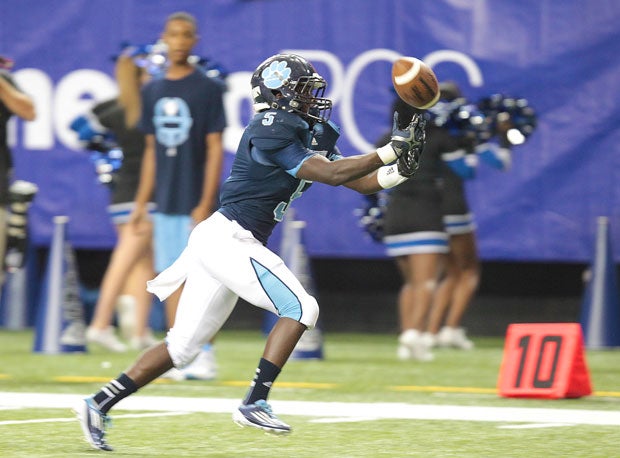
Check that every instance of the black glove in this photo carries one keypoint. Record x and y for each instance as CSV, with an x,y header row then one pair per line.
x,y
408,143
400,137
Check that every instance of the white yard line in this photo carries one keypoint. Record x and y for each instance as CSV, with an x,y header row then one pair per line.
x,y
64,420
339,411
534,425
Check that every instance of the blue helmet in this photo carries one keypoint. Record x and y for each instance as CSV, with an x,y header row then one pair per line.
x,y
289,82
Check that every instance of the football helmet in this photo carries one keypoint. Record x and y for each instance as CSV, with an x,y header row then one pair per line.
x,y
289,82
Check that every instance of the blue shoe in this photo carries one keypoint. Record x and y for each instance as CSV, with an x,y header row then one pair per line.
x,y
93,423
259,415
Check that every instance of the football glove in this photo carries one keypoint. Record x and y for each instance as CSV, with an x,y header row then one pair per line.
x,y
408,144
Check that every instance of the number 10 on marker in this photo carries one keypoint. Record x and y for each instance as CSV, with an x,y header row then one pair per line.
x,y
544,360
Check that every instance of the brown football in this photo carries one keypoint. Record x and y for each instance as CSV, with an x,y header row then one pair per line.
x,y
415,82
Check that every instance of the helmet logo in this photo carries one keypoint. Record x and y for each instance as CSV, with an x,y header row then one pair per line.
x,y
173,121
276,74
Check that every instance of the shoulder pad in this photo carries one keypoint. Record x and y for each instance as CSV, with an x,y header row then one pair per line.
x,y
272,129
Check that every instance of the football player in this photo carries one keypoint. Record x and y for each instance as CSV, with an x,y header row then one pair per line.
x,y
226,256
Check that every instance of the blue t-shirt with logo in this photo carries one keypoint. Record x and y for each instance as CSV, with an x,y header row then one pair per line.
x,y
180,113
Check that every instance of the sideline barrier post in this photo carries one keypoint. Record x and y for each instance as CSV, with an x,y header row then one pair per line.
x,y
600,309
60,326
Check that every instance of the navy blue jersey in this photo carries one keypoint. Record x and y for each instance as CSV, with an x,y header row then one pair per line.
x,y
263,180
180,113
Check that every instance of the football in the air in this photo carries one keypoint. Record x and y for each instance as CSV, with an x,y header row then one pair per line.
x,y
415,82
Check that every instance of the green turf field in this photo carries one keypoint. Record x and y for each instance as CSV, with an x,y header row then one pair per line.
x,y
358,368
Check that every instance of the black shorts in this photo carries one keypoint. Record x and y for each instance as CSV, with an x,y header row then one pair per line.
x,y
457,216
454,200
126,182
124,190
414,223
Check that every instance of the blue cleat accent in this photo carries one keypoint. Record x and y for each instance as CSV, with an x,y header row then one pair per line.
x,y
259,415
94,423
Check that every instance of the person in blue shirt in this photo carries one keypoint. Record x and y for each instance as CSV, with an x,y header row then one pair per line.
x,y
183,118
226,256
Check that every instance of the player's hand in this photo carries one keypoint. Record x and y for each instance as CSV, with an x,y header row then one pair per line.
x,y
408,143
404,138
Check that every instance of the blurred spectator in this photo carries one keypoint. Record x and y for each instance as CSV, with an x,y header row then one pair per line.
x,y
414,235
490,127
461,276
183,119
131,264
13,101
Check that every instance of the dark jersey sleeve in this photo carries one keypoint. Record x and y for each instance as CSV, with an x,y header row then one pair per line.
x,y
281,139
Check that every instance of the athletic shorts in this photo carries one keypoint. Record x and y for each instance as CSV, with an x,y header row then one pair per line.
x,y
457,218
222,262
120,212
459,224
170,236
414,224
125,184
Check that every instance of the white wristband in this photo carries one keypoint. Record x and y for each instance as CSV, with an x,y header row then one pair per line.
x,y
387,154
388,177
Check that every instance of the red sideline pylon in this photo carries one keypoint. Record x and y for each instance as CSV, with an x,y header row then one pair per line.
x,y
60,323
600,309
544,360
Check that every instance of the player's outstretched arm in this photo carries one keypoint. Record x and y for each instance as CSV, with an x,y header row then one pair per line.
x,y
336,173
369,173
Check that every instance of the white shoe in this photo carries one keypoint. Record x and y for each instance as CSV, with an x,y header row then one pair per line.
x,y
403,352
203,367
412,345
74,334
429,339
454,337
143,342
106,338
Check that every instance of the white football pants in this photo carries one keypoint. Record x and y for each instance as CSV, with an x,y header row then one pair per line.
x,y
221,263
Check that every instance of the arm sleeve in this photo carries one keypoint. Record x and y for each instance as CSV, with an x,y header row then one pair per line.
x,y
289,158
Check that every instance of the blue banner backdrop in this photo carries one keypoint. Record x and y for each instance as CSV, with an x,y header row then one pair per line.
x,y
560,55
